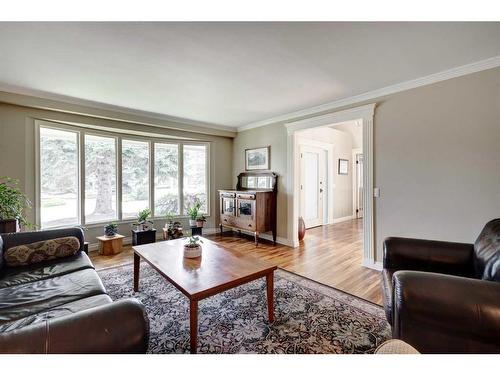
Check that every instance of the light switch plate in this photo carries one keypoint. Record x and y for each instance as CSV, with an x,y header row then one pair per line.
x,y
376,192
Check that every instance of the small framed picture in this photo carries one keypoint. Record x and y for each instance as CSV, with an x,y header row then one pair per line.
x,y
343,166
257,158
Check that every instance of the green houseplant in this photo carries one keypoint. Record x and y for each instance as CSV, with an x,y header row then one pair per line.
x,y
142,219
13,206
193,211
110,230
174,228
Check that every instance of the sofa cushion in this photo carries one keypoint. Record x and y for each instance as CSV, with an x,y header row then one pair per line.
x,y
27,299
58,311
486,246
387,293
41,251
23,238
10,276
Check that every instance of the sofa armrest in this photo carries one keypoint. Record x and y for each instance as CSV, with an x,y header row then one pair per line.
x,y
426,255
439,313
118,327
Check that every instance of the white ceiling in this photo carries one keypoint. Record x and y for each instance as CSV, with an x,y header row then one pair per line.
x,y
231,74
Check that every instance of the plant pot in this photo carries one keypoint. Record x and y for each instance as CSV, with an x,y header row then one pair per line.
x,y
200,223
192,252
192,223
9,226
108,232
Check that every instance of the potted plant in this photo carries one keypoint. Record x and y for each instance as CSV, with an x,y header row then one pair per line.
x,y
193,213
142,220
200,221
111,230
192,249
174,228
13,204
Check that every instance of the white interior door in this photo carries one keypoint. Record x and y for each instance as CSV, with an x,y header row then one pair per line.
x,y
312,185
359,185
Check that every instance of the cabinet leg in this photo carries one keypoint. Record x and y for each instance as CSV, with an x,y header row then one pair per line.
x,y
256,234
239,233
274,237
220,227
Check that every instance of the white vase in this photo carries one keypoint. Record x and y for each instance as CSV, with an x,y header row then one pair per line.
x,y
192,223
192,252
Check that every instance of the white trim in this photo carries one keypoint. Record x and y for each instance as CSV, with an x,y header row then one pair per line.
x,y
366,114
342,219
377,266
365,111
54,102
444,75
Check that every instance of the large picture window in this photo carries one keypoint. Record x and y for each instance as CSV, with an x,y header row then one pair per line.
x,y
59,186
195,176
100,178
166,179
94,177
135,177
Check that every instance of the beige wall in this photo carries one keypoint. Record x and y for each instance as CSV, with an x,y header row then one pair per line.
x,y
275,137
342,149
437,157
17,155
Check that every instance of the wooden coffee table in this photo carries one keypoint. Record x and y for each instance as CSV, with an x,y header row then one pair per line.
x,y
217,270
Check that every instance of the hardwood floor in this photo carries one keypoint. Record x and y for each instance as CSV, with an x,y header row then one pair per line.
x,y
330,254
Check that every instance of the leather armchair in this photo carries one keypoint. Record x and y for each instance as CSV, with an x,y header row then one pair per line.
x,y
441,297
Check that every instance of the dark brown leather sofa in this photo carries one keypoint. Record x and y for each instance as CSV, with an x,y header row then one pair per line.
x,y
437,295
61,306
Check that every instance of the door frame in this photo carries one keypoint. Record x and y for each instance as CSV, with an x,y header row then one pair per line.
x,y
366,115
355,151
328,147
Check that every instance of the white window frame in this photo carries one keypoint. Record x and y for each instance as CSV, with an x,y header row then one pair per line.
x,y
119,137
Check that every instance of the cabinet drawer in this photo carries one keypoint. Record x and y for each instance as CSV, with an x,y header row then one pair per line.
x,y
227,220
245,196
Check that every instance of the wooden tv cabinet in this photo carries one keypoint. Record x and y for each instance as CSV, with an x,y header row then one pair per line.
x,y
251,206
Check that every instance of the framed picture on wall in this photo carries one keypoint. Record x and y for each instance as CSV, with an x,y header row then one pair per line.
x,y
257,158
343,166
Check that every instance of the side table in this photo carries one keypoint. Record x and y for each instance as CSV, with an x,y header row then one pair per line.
x,y
110,245
141,237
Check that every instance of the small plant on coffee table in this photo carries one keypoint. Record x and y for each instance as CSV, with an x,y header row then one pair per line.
x,y
193,241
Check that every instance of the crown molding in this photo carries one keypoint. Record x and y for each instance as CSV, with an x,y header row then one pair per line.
x,y
44,100
444,75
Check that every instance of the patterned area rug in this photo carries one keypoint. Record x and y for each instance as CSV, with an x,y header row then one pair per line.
x,y
309,317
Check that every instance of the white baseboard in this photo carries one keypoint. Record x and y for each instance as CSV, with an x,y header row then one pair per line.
x,y
341,219
378,266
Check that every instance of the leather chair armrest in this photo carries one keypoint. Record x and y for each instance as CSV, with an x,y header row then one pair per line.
x,y
117,327
426,255
439,313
